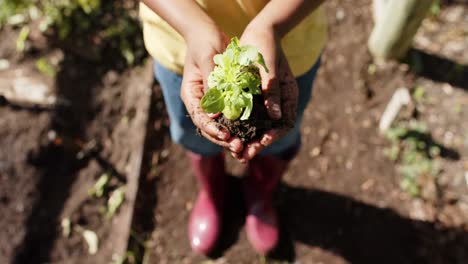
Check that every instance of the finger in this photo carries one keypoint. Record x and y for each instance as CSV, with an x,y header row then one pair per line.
x,y
209,126
204,122
270,87
234,145
206,63
252,149
238,156
206,67
272,94
271,136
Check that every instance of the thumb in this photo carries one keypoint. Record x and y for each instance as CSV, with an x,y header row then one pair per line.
x,y
271,92
206,67
207,64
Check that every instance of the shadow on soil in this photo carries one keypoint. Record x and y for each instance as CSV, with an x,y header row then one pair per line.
x,y
437,68
143,222
445,152
359,232
362,233
21,107
451,2
57,160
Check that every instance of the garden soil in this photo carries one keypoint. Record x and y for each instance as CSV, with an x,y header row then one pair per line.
x,y
51,156
254,127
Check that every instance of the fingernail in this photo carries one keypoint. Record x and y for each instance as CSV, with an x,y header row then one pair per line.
x,y
232,147
276,111
266,140
252,151
223,135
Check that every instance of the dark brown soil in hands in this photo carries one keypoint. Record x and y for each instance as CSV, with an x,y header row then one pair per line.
x,y
254,127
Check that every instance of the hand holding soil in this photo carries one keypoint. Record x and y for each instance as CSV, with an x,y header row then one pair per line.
x,y
198,65
252,99
246,97
279,88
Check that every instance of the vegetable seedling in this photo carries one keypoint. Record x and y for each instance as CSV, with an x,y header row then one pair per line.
x,y
235,92
234,81
115,201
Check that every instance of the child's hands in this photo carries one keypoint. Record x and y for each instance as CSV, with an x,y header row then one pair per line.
x,y
202,45
279,86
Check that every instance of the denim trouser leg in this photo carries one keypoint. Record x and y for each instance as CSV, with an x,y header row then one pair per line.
x,y
182,129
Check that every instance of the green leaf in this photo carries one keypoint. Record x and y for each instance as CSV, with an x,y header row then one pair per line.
x,y
218,59
45,67
251,81
232,112
249,106
261,61
22,37
229,58
100,185
213,81
234,81
213,101
234,44
115,201
419,94
89,6
248,55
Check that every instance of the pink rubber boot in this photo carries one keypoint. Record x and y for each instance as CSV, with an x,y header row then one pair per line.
x,y
264,175
205,219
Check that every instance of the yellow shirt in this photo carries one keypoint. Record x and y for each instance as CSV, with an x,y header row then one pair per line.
x,y
302,45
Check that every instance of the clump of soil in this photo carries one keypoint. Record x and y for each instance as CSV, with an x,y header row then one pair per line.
x,y
254,127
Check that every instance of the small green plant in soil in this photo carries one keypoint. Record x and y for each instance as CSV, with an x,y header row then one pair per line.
x,y
414,151
43,66
235,92
435,9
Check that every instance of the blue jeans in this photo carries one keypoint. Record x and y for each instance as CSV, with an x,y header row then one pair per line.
x,y
183,131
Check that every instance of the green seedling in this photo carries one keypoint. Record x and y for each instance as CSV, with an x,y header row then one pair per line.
x,y
234,81
419,94
45,67
435,8
100,185
89,6
414,151
21,40
371,69
115,201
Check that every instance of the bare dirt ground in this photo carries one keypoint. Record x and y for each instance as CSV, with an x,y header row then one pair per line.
x,y
51,156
